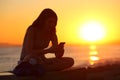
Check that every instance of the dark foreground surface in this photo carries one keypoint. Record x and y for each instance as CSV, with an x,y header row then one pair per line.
x,y
106,72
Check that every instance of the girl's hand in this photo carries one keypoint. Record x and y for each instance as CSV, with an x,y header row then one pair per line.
x,y
60,50
59,53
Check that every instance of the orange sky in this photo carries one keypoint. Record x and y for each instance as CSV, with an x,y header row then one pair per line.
x,y
17,15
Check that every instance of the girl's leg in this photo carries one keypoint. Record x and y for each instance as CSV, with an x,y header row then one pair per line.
x,y
57,64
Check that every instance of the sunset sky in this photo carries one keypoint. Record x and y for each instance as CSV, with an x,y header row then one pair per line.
x,y
17,15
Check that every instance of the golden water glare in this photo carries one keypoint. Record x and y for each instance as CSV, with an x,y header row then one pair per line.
x,y
93,55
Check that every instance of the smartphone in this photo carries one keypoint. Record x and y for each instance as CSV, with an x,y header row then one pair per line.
x,y
61,43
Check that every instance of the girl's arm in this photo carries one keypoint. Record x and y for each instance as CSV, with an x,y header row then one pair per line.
x,y
54,41
30,43
54,47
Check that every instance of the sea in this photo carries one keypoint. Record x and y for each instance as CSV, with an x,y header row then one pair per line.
x,y
84,56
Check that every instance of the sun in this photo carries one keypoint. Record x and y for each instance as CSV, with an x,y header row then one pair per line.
x,y
92,31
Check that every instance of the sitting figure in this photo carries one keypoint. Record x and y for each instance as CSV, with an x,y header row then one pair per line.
x,y
36,40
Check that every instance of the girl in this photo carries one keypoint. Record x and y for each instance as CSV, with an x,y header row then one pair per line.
x,y
37,39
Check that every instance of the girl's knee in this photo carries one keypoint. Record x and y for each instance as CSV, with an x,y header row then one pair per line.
x,y
69,61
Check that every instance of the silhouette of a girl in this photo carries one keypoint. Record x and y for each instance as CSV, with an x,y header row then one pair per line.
x,y
37,39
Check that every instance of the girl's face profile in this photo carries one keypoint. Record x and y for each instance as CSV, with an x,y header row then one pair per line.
x,y
50,24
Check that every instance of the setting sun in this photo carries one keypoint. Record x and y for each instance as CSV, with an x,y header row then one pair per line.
x,y
92,31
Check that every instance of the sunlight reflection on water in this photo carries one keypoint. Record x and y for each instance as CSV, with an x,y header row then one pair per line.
x,y
93,55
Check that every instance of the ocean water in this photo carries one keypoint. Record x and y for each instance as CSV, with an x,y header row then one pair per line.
x,y
82,55
9,57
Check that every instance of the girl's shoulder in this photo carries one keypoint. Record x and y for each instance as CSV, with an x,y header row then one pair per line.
x,y
30,28
30,31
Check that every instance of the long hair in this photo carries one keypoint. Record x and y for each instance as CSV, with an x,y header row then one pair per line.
x,y
45,14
